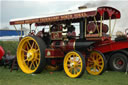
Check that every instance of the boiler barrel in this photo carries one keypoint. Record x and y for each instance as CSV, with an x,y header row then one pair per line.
x,y
83,44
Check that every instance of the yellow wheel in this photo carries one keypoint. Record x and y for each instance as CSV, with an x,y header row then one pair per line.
x,y
95,63
74,64
31,54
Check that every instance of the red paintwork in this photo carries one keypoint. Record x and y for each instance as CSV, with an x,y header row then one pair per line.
x,y
112,12
109,45
101,11
53,62
2,52
54,53
70,46
61,45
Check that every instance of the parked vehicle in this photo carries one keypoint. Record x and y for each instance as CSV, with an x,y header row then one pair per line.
x,y
2,52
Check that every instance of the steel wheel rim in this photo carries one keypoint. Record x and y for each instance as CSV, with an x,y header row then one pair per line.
x,y
95,63
28,55
73,64
116,63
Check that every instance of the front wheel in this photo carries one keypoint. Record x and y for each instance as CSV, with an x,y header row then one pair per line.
x,y
31,54
74,64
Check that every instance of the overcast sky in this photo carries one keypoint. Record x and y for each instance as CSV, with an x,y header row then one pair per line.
x,y
11,9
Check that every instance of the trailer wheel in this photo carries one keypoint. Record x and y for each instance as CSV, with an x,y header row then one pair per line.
x,y
118,62
96,63
74,64
31,54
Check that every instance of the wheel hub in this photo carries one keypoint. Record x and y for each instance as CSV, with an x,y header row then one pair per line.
x,y
30,54
73,64
120,62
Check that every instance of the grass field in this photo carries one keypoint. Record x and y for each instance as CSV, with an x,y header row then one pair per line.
x,y
9,45
59,78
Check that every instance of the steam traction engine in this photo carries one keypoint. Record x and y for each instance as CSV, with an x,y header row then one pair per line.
x,y
92,49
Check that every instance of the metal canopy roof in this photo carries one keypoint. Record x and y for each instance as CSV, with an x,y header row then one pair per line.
x,y
70,15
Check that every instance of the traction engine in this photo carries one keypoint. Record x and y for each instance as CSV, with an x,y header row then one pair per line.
x,y
92,49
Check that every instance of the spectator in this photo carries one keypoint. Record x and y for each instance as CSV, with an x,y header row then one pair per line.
x,y
8,59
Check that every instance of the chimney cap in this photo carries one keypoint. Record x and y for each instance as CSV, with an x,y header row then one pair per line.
x,y
82,7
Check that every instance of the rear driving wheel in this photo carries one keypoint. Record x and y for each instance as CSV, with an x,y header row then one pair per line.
x,y
30,54
74,64
118,62
95,63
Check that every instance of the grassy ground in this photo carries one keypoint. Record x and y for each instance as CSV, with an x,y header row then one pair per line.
x,y
9,45
59,78
55,78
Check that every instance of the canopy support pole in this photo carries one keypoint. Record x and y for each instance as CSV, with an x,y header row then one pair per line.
x,y
49,28
30,27
101,27
35,29
110,27
114,26
82,28
16,30
21,29
96,25
85,26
